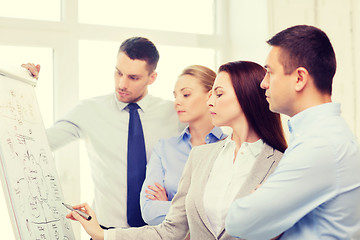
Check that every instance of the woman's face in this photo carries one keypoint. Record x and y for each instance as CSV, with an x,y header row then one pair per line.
x,y
190,99
224,106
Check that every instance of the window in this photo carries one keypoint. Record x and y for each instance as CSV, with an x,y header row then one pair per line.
x,y
169,15
35,9
77,55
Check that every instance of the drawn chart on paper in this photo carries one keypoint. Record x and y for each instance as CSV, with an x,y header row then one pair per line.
x,y
27,168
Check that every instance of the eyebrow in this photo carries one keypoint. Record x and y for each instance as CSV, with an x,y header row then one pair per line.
x,y
217,88
131,75
184,88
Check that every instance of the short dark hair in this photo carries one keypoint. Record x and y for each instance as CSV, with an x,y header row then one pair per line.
x,y
143,49
308,47
246,78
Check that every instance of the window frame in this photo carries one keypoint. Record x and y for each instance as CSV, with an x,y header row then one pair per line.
x,y
63,37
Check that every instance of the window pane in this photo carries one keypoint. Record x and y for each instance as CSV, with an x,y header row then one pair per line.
x,y
96,67
97,76
35,9
169,15
10,60
172,61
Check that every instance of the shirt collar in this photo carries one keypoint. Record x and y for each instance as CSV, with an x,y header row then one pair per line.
x,y
143,103
303,120
185,135
254,147
215,135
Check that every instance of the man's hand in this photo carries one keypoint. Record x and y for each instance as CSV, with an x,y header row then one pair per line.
x,y
33,69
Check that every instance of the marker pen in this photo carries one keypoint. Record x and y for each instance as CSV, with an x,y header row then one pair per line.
x,y
84,215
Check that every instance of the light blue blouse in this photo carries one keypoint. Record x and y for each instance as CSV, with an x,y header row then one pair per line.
x,y
165,167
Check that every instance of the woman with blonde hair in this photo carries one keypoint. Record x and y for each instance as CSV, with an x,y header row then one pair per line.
x,y
169,156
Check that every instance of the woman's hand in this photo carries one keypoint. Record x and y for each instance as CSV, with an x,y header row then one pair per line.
x,y
34,69
158,192
91,226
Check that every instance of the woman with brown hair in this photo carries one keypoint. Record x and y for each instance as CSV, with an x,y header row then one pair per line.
x,y
218,173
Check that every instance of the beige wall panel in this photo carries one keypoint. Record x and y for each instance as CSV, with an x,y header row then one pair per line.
x,y
334,17
248,30
286,13
356,62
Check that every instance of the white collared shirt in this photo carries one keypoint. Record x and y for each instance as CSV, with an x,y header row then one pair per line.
x,y
226,178
102,122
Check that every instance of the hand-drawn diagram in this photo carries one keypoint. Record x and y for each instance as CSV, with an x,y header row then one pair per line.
x,y
27,163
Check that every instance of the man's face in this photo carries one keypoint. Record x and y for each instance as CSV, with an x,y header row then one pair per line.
x,y
132,78
279,87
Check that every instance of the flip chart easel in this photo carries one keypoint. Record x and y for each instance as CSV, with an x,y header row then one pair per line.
x,y
27,169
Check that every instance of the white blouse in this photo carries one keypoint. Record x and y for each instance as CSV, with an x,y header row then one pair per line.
x,y
226,179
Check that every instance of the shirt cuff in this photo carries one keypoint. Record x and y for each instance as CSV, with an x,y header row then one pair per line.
x,y
110,234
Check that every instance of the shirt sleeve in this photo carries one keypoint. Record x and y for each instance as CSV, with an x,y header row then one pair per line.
x,y
110,234
61,133
154,211
67,129
303,180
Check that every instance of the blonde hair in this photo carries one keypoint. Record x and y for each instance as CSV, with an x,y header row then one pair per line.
x,y
205,75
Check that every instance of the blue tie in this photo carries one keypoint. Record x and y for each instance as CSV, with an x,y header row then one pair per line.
x,y
136,167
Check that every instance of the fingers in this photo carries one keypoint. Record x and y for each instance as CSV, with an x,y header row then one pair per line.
x,y
33,69
158,192
154,188
159,186
85,207
77,217
69,216
92,226
151,197
150,192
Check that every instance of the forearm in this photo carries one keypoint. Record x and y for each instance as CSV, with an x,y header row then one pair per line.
x,y
154,211
289,194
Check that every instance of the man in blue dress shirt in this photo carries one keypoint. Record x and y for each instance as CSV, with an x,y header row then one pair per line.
x,y
315,191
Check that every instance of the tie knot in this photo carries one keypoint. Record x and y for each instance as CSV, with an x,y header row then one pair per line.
x,y
133,106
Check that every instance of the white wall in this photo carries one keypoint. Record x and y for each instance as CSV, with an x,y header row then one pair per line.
x,y
253,22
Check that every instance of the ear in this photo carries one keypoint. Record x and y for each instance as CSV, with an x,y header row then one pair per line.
x,y
153,77
302,78
209,94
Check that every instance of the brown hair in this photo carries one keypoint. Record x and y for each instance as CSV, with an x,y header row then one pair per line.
x,y
140,48
308,47
246,78
205,75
